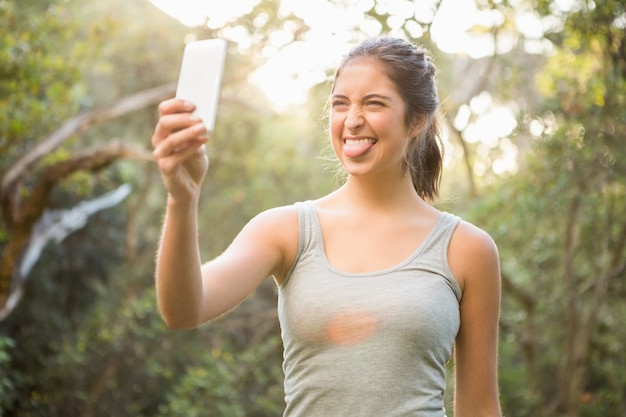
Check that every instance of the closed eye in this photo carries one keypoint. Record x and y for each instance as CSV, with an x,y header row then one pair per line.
x,y
376,100
338,104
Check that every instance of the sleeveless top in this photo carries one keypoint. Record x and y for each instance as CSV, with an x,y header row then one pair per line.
x,y
368,344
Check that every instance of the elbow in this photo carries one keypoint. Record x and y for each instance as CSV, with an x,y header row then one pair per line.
x,y
177,318
179,323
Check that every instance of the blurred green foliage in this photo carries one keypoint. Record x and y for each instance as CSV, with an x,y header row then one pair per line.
x,y
561,227
39,72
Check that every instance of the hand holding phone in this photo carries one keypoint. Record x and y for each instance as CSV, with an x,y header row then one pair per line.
x,y
200,77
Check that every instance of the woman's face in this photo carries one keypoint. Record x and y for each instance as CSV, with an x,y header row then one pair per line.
x,y
367,120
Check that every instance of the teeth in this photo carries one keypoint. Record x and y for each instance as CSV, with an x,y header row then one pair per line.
x,y
359,141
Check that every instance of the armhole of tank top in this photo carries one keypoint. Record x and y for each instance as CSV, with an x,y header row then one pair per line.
x,y
302,237
451,225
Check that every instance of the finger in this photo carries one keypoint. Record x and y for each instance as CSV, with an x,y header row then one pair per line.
x,y
171,123
181,140
200,139
169,164
175,105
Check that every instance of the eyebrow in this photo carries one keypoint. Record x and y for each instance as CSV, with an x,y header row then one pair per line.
x,y
366,97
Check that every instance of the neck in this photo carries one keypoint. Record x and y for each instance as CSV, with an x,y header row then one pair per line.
x,y
381,192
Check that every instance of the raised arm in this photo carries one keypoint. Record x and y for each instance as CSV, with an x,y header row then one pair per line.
x,y
189,293
179,150
474,261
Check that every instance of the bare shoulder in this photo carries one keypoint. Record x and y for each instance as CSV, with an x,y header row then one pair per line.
x,y
283,215
473,255
471,237
279,226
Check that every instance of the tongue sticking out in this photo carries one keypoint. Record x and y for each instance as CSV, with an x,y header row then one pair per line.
x,y
356,148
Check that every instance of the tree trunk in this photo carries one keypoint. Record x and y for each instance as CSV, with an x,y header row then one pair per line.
x,y
581,314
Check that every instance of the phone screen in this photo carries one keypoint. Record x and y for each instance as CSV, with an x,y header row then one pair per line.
x,y
200,77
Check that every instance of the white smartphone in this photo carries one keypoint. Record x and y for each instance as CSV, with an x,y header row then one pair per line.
x,y
200,77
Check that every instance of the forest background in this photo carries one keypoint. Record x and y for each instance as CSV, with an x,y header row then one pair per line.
x,y
82,202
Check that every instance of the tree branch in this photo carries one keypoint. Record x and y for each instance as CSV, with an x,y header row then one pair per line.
x,y
34,204
18,170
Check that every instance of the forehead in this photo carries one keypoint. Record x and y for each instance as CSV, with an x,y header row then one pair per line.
x,y
363,73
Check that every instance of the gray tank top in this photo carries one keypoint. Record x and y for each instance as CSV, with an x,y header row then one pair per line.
x,y
368,344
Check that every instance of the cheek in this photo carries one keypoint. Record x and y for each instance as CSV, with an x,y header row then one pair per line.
x,y
336,126
392,127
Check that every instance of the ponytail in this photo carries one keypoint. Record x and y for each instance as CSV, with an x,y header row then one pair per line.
x,y
424,160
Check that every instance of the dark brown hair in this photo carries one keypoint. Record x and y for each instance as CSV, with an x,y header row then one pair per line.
x,y
412,71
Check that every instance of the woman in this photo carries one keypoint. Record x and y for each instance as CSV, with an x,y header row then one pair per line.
x,y
376,286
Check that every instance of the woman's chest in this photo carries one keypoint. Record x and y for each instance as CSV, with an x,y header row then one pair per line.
x,y
369,245
413,306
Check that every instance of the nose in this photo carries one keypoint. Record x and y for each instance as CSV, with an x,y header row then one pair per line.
x,y
354,118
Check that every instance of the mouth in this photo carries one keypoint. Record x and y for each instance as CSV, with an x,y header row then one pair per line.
x,y
356,147
364,141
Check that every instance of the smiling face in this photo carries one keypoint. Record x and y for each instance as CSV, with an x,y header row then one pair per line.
x,y
368,120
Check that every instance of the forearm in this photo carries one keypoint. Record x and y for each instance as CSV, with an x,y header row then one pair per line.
x,y
178,267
